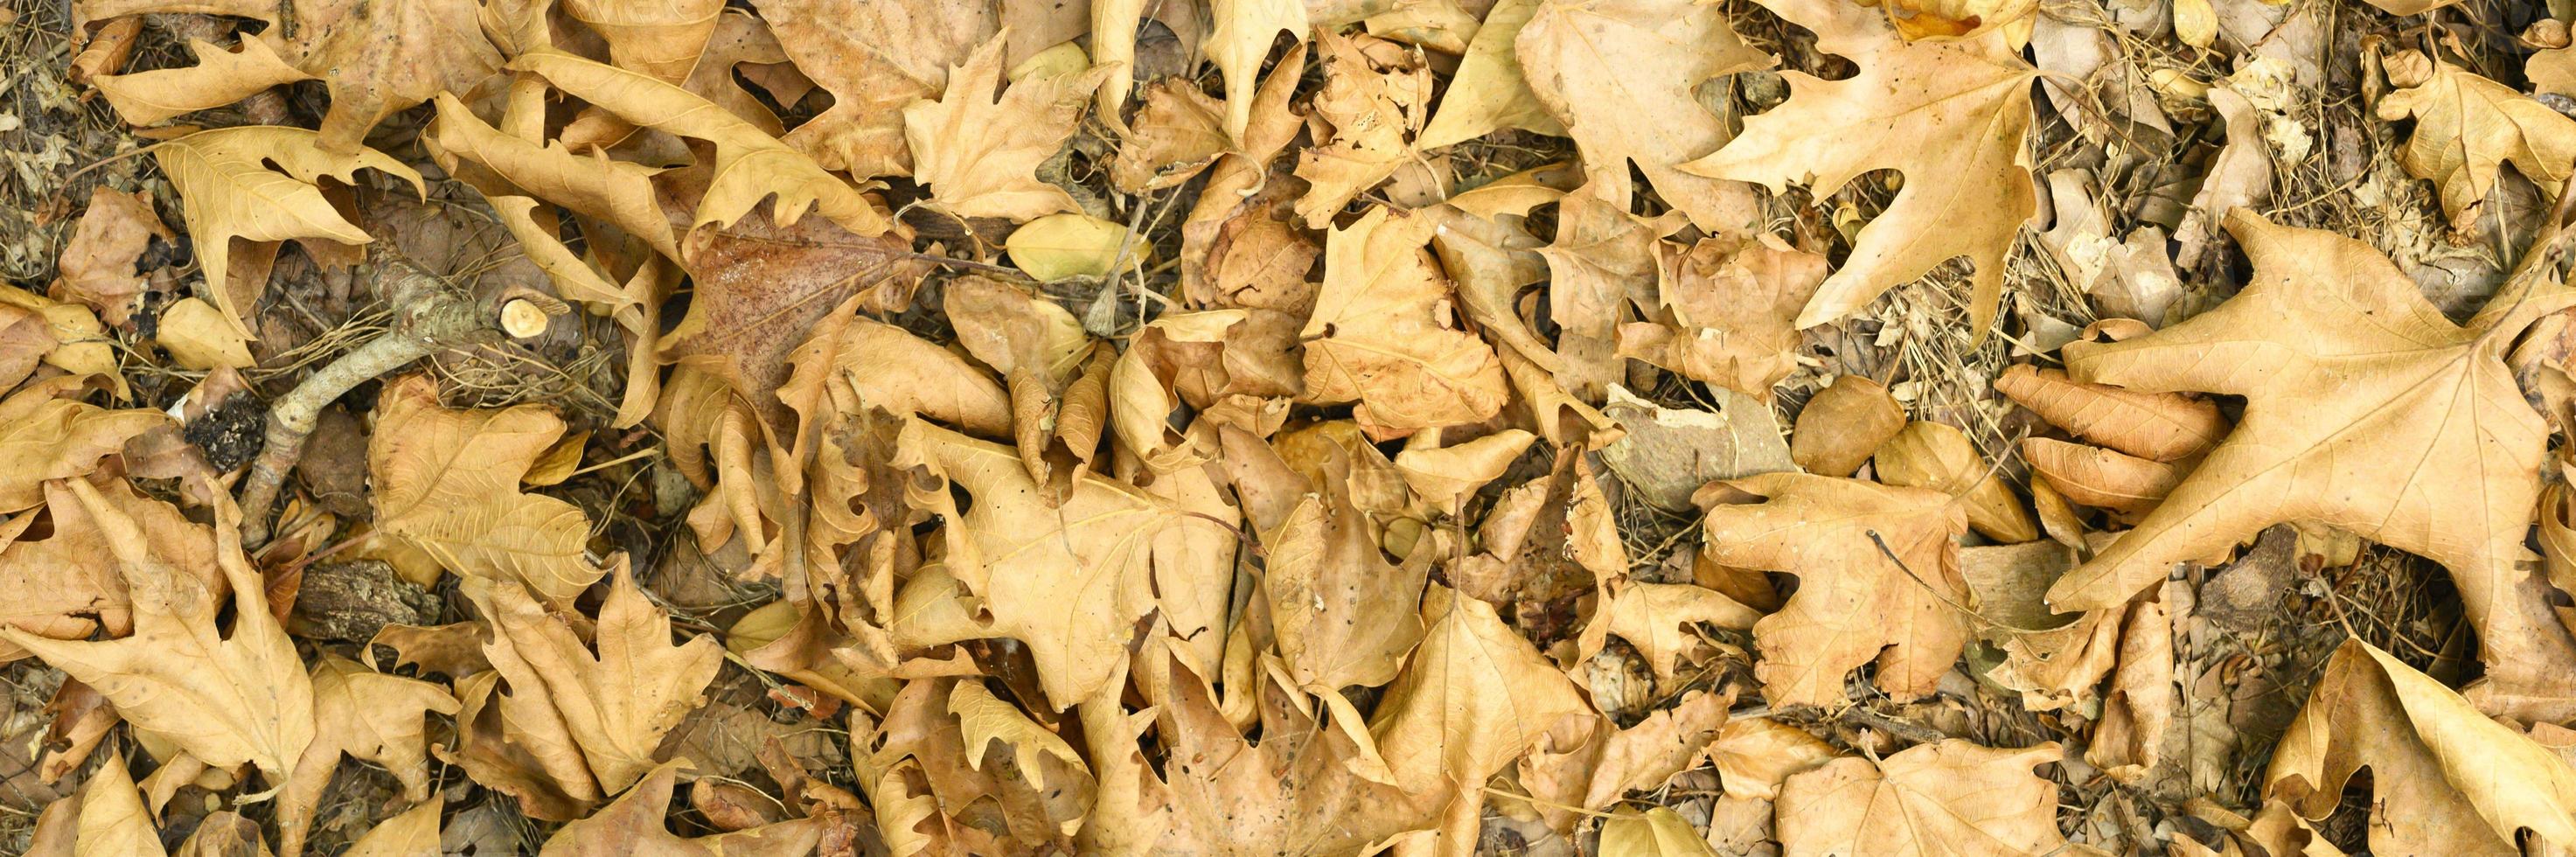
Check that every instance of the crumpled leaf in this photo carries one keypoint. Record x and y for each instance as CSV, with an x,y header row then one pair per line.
x,y
447,489
58,588
1951,116
1728,312
2445,777
1344,614
1619,75
96,268
979,154
1375,96
2467,127
1950,797
2353,380
1878,578
1479,698
44,438
226,699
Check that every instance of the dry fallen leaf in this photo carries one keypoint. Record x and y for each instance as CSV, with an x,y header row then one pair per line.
x,y
1951,797
1619,75
2446,777
633,825
2467,127
97,266
225,698
874,57
1384,333
979,153
228,191
616,704
1950,116
1878,571
2352,380
447,494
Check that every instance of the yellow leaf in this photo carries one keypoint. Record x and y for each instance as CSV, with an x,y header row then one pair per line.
x,y
1657,832
1073,244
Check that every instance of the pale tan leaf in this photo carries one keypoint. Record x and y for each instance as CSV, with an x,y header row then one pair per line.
x,y
447,485
1489,91
979,153
227,191
616,704
2467,128
1384,333
1620,75
874,56
1950,797
1951,116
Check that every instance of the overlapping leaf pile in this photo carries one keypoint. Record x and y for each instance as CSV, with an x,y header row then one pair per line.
x,y
1264,426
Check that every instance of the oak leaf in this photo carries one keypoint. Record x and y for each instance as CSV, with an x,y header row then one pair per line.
x,y
1384,333
2467,127
874,57
1620,75
979,154
616,704
225,699
1878,579
220,77
1950,797
2367,410
227,190
1951,116
447,488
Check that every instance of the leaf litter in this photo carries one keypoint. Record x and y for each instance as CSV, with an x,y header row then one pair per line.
x,y
1633,427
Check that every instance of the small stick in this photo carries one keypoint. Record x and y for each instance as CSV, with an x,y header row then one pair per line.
x,y
429,315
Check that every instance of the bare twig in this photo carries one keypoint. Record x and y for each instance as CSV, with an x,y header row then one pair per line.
x,y
429,315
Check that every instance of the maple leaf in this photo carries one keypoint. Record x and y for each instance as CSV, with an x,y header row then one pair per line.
x,y
367,715
979,154
617,704
226,699
447,487
1476,697
632,825
2367,410
2467,127
377,57
1856,600
227,191
109,817
1952,116
220,77
1383,333
1176,134
615,192
874,57
1620,76
1068,579
62,592
663,40
1949,797
2446,777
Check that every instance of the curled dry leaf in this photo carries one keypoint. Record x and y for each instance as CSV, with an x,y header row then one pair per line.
x,y
1843,425
1490,92
2158,426
633,825
97,266
1932,455
367,715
